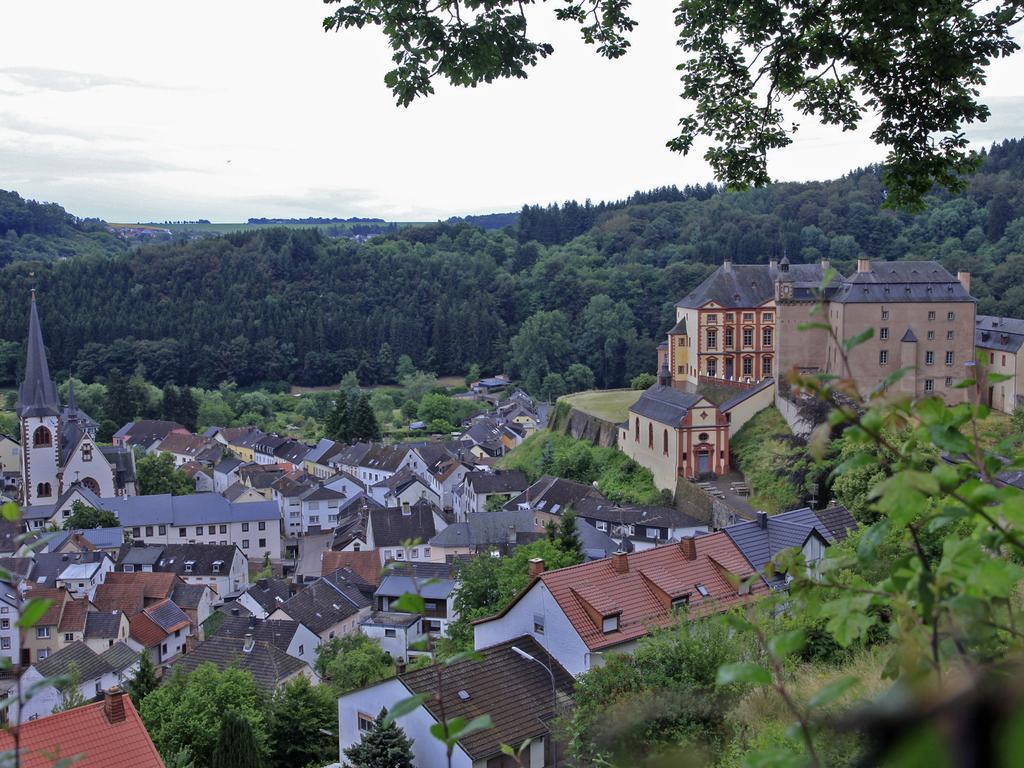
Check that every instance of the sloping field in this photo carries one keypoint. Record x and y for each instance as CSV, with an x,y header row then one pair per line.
x,y
607,404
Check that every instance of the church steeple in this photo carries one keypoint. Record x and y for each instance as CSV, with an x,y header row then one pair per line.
x,y
37,395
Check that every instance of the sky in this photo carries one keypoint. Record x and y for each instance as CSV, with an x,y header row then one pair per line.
x,y
134,111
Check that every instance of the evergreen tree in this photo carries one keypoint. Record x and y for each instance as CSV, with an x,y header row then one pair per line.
x,y
236,746
144,681
339,421
120,403
569,537
364,420
170,405
188,409
381,747
547,458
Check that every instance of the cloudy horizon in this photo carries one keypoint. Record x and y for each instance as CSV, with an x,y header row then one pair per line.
x,y
227,112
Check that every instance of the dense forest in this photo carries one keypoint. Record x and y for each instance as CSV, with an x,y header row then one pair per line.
x,y
35,231
295,306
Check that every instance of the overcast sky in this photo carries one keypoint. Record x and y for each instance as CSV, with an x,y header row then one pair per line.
x,y
135,111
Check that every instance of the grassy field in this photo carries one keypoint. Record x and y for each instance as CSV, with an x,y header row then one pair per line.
x,y
611,404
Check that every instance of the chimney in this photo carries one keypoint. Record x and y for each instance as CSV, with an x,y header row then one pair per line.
x,y
773,263
688,546
762,520
535,567
727,264
113,704
965,279
249,643
511,538
863,265
825,264
620,563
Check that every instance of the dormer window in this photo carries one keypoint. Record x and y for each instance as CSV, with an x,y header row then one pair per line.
x,y
188,565
681,602
610,623
216,565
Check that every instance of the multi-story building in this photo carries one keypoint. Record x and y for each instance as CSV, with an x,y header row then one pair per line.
x,y
998,341
742,324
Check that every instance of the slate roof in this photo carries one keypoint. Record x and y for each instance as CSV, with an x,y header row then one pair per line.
x,y
396,584
102,625
327,601
188,595
191,509
295,483
740,397
37,394
665,404
269,665
120,656
49,565
900,281
146,431
168,616
228,464
909,335
747,285
641,596
269,593
352,455
323,450
101,538
762,539
596,507
194,446
514,691
551,494
365,564
87,733
277,632
9,533
502,481
1000,334
236,490
486,528
389,619
90,664
392,526
202,557
292,451
122,462
838,520
594,543
384,457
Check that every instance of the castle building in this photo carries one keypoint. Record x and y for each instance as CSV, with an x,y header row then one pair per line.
x,y
58,442
742,325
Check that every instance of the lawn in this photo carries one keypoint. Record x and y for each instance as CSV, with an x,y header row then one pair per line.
x,y
609,404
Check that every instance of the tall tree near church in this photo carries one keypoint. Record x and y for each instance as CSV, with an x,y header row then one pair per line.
x,y
236,747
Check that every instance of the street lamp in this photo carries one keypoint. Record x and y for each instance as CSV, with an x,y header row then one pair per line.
x,y
554,697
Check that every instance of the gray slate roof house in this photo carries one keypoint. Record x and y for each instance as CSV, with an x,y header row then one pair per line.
x,y
49,565
90,664
277,632
120,656
749,285
762,539
999,334
552,494
393,526
102,626
487,529
328,600
269,666
269,594
502,481
145,432
665,404
899,281
182,559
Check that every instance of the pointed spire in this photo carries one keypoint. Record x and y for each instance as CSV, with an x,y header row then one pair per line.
x,y
37,395
71,394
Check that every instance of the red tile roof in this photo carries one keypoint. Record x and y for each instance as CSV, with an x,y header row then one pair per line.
x,y
127,598
73,618
156,586
642,595
366,565
86,732
58,596
145,631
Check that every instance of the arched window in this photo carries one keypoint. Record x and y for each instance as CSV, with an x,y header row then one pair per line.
x,y
650,436
665,445
43,489
42,438
92,485
636,432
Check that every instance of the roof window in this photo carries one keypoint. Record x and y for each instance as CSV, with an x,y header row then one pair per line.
x,y
610,623
463,695
702,590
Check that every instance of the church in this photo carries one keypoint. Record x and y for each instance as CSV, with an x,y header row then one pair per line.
x,y
59,448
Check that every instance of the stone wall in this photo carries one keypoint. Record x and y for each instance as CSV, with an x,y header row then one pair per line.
x,y
584,426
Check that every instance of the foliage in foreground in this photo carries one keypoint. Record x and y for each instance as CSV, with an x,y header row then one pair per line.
x,y
385,745
353,661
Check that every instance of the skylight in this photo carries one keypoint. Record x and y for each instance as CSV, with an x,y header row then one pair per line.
x,y
702,590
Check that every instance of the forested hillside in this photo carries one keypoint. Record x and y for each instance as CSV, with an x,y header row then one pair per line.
x,y
45,231
296,306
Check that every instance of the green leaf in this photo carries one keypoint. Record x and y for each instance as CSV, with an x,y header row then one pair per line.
x,y
33,610
996,378
872,537
479,723
10,511
855,462
409,603
783,645
463,656
832,692
743,672
860,338
404,707
814,327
